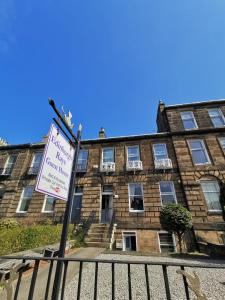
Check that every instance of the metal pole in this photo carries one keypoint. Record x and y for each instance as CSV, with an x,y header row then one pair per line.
x,y
59,266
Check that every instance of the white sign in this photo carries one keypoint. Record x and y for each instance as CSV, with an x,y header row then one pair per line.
x,y
56,167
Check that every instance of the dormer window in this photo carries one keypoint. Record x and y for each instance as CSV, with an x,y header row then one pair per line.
x,y
10,162
216,117
108,160
188,120
35,164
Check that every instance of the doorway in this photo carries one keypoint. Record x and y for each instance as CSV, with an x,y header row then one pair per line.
x,y
107,205
129,241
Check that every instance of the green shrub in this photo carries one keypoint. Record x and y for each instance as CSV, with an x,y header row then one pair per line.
x,y
79,239
8,223
29,237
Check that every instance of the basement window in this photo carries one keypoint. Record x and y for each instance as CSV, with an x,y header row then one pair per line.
x,y
129,241
166,242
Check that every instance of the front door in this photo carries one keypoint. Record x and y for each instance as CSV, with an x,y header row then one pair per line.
x,y
107,208
76,207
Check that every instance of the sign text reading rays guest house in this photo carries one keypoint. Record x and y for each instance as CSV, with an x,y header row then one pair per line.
x,y
56,167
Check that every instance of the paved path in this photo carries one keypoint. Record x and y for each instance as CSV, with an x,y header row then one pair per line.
x,y
43,273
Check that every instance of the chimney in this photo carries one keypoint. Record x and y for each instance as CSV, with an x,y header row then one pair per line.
x,y
161,105
101,133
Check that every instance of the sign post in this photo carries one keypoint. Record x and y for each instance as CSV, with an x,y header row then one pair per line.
x,y
57,177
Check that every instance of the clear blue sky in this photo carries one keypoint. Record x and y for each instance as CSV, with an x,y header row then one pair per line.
x,y
108,61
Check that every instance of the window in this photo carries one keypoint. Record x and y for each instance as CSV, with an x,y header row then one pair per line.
x,y
166,242
198,152
25,199
129,241
167,192
133,153
217,117
82,160
49,204
107,155
136,197
9,164
222,143
36,162
188,120
160,151
211,192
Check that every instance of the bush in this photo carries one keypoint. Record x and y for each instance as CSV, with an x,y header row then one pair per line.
x,y
79,238
8,223
22,238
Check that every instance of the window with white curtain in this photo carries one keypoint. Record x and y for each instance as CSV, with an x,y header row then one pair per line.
x,y
211,192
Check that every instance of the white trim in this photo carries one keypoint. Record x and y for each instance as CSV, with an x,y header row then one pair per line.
x,y
173,237
173,191
220,113
44,204
129,233
205,151
21,198
193,118
136,211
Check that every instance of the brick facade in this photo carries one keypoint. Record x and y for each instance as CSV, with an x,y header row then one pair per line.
x,y
186,176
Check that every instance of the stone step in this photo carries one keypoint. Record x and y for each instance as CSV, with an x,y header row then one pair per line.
x,y
99,226
97,234
97,244
97,230
97,239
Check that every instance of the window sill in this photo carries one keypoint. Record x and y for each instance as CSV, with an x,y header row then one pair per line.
x,y
47,212
214,212
136,211
21,212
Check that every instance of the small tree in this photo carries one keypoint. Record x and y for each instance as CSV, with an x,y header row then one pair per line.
x,y
176,219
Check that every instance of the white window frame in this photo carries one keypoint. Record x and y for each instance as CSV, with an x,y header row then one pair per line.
x,y
211,210
86,150
205,150
134,146
108,148
172,193
220,114
173,237
6,163
21,198
154,151
129,233
221,144
33,159
131,210
191,118
44,204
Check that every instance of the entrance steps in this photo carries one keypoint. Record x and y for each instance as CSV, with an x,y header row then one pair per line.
x,y
98,236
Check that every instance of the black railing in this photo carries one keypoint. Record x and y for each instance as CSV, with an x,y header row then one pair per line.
x,y
41,288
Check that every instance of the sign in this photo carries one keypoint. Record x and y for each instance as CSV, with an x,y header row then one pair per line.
x,y
56,166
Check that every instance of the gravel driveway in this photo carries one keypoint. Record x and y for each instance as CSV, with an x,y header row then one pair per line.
x,y
212,280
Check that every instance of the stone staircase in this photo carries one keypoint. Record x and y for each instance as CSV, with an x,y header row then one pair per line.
x,y
98,236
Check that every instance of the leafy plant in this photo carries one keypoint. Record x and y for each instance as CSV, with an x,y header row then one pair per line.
x,y
79,238
176,219
9,223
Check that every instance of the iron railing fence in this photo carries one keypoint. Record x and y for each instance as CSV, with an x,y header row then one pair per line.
x,y
188,284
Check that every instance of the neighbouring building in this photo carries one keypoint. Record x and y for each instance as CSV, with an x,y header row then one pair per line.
x,y
123,182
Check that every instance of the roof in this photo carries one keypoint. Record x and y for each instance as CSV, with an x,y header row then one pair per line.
x,y
197,103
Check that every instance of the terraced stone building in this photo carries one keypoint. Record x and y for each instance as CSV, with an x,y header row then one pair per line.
x,y
123,182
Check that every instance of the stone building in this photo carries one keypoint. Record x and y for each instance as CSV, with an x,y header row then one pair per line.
x,y
123,182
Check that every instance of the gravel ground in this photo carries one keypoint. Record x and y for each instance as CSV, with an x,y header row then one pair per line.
x,y
212,280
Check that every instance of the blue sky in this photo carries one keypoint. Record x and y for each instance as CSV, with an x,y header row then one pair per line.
x,y
108,61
